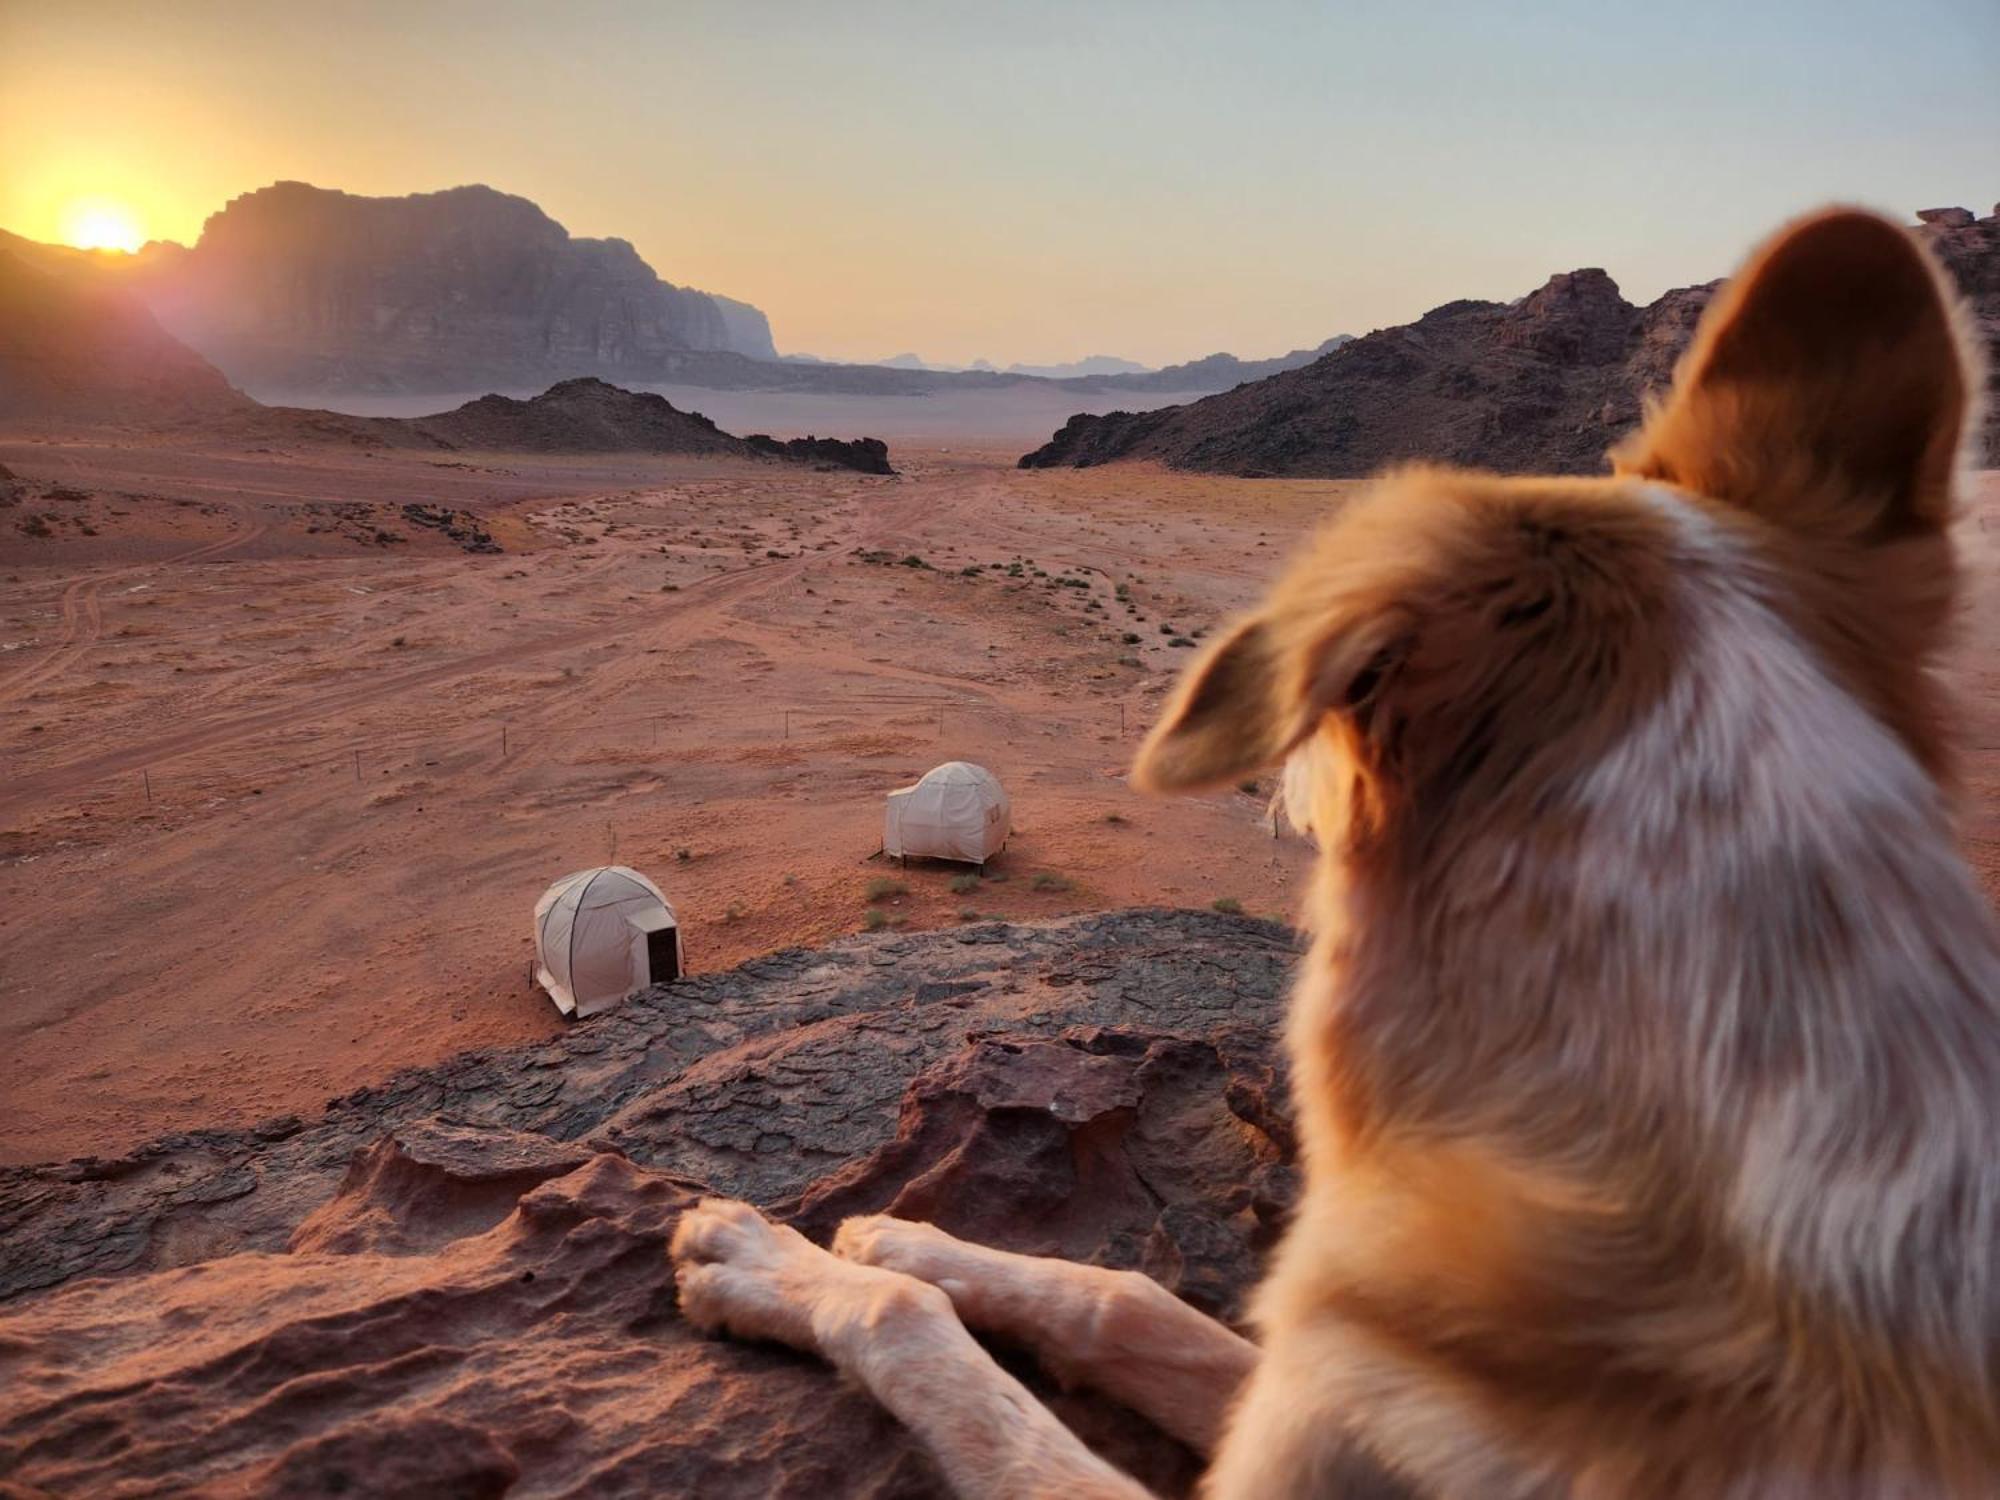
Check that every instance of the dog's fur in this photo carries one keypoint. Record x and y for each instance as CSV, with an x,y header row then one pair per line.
x,y
1647,1058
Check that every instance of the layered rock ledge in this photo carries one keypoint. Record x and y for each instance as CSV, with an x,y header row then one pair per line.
x,y
456,1283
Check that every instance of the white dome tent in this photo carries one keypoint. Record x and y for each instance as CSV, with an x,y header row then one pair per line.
x,y
602,934
957,811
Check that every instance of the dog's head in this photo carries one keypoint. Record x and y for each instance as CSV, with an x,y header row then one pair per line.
x,y
1454,641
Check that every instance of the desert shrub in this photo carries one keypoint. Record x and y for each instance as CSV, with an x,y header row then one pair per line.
x,y
1181,641
684,853
968,914
1229,906
914,561
1132,638
1249,788
736,913
1116,820
963,884
874,920
882,887
1166,629
1049,880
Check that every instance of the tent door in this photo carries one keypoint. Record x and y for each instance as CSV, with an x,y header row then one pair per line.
x,y
663,955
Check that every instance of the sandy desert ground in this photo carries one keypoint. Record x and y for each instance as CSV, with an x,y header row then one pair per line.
x,y
278,794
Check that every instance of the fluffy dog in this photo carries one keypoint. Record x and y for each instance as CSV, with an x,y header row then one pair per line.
x,y
1647,1057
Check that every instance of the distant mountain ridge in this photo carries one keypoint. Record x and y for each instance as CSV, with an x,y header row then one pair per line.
x,y
1546,383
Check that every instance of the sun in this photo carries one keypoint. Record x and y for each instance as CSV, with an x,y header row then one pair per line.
x,y
102,224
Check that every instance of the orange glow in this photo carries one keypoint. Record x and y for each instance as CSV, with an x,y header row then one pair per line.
x,y
102,224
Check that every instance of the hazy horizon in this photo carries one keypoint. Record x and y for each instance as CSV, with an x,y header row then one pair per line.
x,y
1038,185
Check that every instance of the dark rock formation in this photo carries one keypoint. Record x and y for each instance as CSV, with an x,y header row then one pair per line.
x,y
869,455
1969,249
456,1283
294,287
1546,384
74,346
575,416
589,416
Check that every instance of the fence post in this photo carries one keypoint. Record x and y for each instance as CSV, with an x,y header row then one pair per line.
x,y
148,775
357,768
503,741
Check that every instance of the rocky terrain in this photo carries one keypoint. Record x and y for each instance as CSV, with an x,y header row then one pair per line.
x,y
295,287
455,1282
1546,383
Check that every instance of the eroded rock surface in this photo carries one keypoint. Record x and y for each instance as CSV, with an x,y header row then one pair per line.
x,y
456,1283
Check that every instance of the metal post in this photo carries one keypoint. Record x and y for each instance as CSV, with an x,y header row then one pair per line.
x,y
148,775
357,768
503,741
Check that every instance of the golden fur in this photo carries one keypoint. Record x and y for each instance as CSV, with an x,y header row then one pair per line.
x,y
1647,1058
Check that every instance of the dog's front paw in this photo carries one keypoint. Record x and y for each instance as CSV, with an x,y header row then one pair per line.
x,y
740,1273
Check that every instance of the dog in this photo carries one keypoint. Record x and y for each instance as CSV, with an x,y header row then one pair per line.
x,y
1646,1059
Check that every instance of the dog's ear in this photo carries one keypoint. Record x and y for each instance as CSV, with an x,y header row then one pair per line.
x,y
1248,701
1826,388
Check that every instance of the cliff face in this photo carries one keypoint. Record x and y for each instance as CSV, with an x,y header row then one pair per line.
x,y
302,288
1545,384
457,1283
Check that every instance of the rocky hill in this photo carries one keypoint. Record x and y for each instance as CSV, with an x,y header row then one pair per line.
x,y
295,287
574,416
1546,383
78,347
456,1282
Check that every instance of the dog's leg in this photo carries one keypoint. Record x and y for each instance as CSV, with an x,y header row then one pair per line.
x,y
900,1339
1116,1331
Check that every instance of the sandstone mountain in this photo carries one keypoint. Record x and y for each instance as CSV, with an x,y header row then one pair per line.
x,y
301,288
456,1282
1546,383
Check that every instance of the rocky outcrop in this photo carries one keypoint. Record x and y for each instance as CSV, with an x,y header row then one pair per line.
x,y
75,347
1545,384
868,455
456,1282
576,416
590,416
299,288
1969,249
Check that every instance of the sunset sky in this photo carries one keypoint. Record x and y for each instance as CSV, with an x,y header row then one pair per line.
x,y
1035,182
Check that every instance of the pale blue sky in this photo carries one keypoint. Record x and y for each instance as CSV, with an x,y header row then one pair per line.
x,y
1035,181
